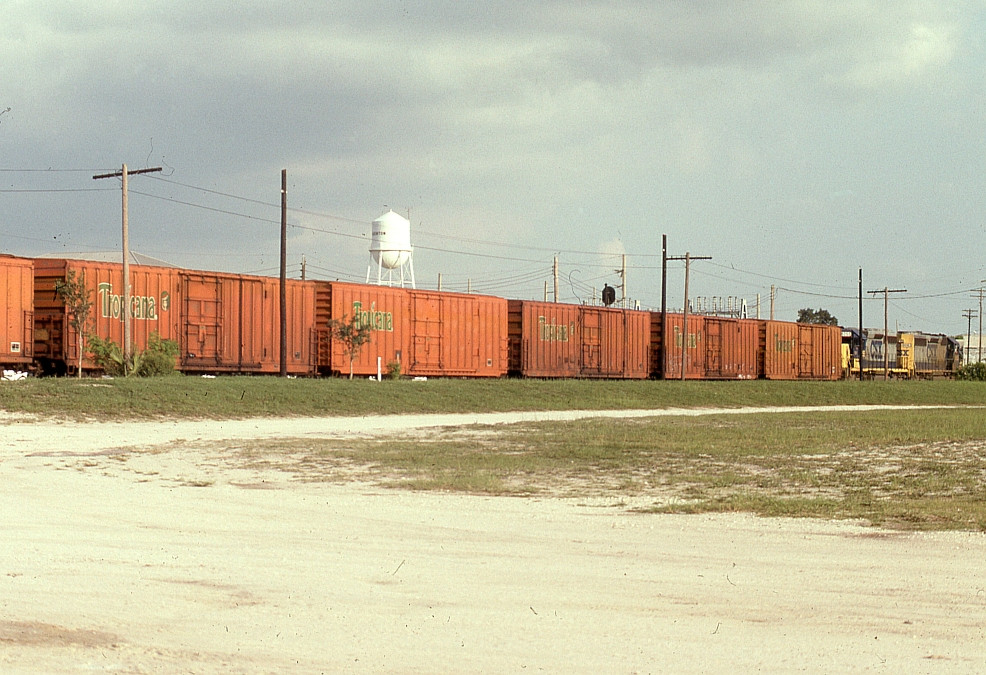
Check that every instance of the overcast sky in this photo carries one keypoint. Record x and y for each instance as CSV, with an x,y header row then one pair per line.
x,y
793,142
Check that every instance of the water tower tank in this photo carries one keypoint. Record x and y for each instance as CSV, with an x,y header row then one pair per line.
x,y
391,244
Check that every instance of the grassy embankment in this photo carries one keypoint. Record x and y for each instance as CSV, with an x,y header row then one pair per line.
x,y
922,469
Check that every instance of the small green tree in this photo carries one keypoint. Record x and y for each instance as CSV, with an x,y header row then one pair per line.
x,y
352,334
72,291
821,316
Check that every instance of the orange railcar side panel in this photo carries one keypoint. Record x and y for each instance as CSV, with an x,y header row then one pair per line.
x,y
457,335
730,348
684,342
384,309
800,351
232,324
429,333
561,340
16,311
153,306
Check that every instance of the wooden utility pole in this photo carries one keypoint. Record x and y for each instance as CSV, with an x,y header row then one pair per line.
x,y
623,286
969,313
980,341
860,325
662,352
555,275
284,272
688,257
123,174
886,338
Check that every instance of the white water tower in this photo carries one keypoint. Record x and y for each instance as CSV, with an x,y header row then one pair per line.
x,y
391,248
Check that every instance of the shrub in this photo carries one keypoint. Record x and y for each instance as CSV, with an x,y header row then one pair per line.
x,y
394,370
972,371
158,359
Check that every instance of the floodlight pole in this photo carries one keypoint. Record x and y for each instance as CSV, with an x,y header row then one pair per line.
x,y
123,173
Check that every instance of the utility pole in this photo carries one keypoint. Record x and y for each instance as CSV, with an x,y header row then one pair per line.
x,y
860,325
980,341
688,257
123,173
969,313
284,272
662,353
623,286
555,274
886,339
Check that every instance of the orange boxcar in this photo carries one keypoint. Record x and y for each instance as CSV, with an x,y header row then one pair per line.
x,y
457,335
428,333
716,348
561,340
385,310
730,348
16,312
683,343
153,303
801,351
232,323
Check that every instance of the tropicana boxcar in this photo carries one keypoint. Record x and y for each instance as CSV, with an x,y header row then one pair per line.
x,y
801,351
16,312
384,309
231,324
549,339
419,333
457,335
153,308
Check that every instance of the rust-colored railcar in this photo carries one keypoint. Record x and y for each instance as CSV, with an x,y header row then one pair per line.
x,y
800,351
730,348
684,344
713,348
153,302
427,333
562,340
457,335
382,308
231,324
16,312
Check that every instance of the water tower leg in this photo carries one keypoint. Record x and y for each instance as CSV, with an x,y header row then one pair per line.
x,y
410,264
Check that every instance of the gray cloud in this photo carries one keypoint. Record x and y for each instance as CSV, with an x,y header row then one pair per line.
x,y
798,141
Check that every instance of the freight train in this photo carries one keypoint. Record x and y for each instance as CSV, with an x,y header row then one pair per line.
x,y
230,323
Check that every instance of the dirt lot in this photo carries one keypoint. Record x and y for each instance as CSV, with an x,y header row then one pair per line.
x,y
150,547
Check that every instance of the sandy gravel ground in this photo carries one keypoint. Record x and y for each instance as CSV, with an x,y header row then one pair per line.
x,y
145,548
